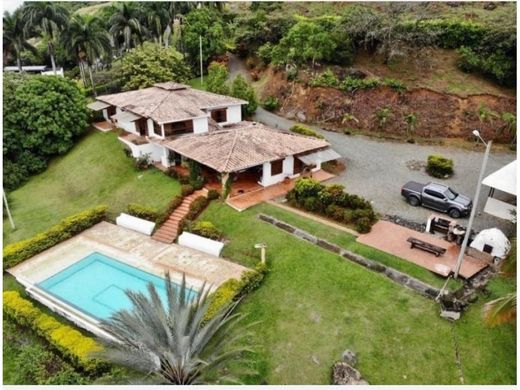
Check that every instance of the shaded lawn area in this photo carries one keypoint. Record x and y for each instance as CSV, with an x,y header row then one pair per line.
x,y
313,305
96,171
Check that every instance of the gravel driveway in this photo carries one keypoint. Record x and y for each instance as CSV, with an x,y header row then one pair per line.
x,y
377,169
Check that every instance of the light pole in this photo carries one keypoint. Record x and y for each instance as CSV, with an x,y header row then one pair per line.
x,y
8,212
475,204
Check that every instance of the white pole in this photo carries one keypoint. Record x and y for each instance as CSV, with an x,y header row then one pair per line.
x,y
200,50
473,211
8,212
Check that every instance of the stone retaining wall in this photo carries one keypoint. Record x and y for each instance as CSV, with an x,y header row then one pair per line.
x,y
397,276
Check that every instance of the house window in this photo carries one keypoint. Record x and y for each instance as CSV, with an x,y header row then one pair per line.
x,y
297,166
175,128
219,115
276,167
111,110
157,129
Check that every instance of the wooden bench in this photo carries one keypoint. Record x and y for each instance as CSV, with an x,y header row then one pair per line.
x,y
426,246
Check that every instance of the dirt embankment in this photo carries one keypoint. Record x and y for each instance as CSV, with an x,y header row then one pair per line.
x,y
438,115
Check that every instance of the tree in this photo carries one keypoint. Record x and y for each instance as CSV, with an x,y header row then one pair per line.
x,y
86,39
509,125
43,115
157,19
242,90
411,121
217,78
15,37
51,18
206,24
126,24
174,340
151,63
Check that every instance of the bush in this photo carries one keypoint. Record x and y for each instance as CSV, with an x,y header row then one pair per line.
x,y
217,78
325,79
363,225
439,166
186,190
19,251
233,289
352,84
271,103
213,194
142,162
73,345
206,229
398,85
172,205
304,130
144,212
242,90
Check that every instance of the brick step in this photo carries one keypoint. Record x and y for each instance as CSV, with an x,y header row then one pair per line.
x,y
169,230
165,240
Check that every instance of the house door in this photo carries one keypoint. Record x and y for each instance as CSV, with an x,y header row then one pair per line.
x,y
141,126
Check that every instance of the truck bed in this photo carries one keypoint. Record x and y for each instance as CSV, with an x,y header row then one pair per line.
x,y
413,186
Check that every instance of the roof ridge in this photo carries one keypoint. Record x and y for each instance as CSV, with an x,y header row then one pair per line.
x,y
231,149
161,102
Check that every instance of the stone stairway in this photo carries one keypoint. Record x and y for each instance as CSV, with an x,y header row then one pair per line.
x,y
168,231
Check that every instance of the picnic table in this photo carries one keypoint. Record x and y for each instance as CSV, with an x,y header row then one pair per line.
x,y
426,246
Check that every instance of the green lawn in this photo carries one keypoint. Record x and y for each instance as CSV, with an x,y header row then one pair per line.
x,y
313,305
95,171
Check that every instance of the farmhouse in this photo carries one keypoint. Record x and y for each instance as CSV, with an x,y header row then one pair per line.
x,y
172,123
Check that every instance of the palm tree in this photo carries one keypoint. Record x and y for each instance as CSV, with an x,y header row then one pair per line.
x,y
87,40
157,19
127,24
176,11
50,17
174,340
15,36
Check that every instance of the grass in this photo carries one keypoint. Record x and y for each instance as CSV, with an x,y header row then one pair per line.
x,y
95,171
195,83
313,305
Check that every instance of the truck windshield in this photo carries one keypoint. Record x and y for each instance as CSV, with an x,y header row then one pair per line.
x,y
450,194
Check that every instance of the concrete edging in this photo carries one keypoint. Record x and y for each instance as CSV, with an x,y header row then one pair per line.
x,y
391,273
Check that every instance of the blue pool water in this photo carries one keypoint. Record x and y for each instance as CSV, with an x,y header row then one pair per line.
x,y
96,285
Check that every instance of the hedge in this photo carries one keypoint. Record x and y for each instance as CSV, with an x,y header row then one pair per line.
x,y
439,166
196,207
206,229
22,250
144,212
304,130
71,343
174,203
233,289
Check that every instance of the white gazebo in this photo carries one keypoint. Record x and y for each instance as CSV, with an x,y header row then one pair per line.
x,y
501,201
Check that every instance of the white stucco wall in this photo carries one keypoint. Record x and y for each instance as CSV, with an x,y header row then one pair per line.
x,y
149,125
200,125
105,114
234,114
128,126
287,171
155,151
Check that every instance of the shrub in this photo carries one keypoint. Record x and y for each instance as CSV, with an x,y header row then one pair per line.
x,y
398,85
439,166
73,345
217,78
242,90
304,130
186,189
174,203
144,212
206,229
196,207
271,103
68,227
363,225
306,187
213,194
325,79
352,84
142,162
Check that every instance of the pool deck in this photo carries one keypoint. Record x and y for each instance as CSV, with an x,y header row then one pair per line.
x,y
134,249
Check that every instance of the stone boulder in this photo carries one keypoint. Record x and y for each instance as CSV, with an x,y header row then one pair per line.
x,y
344,374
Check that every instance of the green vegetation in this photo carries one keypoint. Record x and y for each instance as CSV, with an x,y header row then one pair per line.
x,y
346,306
242,90
144,212
206,229
333,202
271,103
217,78
22,250
95,171
439,166
152,63
304,130
43,116
76,347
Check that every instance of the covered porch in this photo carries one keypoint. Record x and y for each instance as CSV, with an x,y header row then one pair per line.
x,y
501,201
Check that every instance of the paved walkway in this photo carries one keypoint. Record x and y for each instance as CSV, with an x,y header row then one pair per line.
x,y
135,249
168,231
391,238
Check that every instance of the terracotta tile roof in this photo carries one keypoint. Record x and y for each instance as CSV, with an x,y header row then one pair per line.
x,y
169,102
241,146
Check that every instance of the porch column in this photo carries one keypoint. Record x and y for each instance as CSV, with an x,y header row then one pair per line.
x,y
162,129
224,179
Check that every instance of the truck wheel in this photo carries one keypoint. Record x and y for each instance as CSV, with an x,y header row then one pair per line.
x,y
413,201
454,213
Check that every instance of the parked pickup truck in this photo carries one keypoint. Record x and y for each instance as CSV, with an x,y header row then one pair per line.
x,y
438,197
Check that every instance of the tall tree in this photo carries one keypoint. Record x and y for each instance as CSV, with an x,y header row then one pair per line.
x,y
126,24
174,340
86,39
15,36
157,19
51,18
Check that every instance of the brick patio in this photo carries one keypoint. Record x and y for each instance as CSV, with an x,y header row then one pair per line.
x,y
391,238
103,126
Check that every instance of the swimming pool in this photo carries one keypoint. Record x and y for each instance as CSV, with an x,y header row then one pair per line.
x,y
96,285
